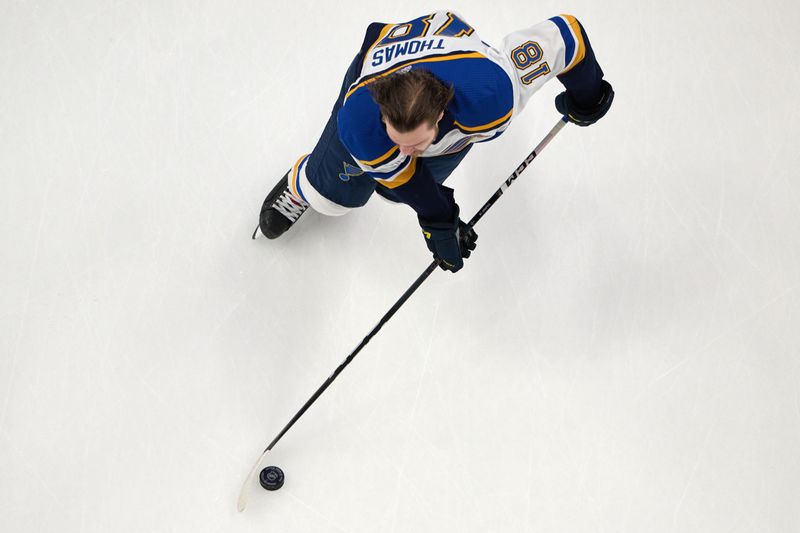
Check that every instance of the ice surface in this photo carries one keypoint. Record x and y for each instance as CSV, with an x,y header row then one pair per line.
x,y
620,354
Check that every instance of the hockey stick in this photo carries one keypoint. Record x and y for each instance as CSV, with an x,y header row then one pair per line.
x,y
245,491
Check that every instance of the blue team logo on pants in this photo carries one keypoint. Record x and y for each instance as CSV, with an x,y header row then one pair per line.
x,y
349,172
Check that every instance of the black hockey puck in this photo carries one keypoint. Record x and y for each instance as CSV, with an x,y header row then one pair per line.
x,y
271,478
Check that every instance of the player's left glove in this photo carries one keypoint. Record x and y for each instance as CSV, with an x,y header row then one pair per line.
x,y
450,242
583,116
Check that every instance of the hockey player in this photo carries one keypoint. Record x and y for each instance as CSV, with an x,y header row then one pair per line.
x,y
415,99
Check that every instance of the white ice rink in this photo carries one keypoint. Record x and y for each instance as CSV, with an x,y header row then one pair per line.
x,y
620,354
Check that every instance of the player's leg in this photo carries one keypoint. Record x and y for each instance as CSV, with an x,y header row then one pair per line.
x,y
559,47
327,179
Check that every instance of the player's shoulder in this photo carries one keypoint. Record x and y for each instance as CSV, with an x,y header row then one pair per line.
x,y
484,94
361,129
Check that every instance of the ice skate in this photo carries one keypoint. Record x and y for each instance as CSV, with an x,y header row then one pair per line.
x,y
280,210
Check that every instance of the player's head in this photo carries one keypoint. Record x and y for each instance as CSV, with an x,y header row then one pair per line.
x,y
412,103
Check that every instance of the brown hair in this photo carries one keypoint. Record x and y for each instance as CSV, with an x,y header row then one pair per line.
x,y
407,99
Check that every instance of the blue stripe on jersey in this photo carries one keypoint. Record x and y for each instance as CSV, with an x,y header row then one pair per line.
x,y
569,40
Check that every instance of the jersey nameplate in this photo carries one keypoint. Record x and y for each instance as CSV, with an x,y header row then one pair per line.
x,y
394,51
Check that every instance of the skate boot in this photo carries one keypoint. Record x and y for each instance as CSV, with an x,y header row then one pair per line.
x,y
280,210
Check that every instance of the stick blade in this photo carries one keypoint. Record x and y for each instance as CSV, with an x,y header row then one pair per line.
x,y
244,493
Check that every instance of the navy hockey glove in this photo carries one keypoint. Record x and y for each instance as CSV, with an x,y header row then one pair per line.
x,y
450,242
583,116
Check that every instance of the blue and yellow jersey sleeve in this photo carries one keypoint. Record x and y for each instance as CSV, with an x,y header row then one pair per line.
x,y
554,48
363,134
582,74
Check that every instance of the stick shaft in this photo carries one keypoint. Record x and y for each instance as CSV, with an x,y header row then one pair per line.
x,y
397,305
414,286
243,494
506,184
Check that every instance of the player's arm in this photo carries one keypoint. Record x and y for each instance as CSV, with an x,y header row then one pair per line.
x,y
559,48
414,185
447,237
410,182
363,135
588,96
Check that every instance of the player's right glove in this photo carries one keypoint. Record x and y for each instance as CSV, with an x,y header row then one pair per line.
x,y
583,116
450,242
